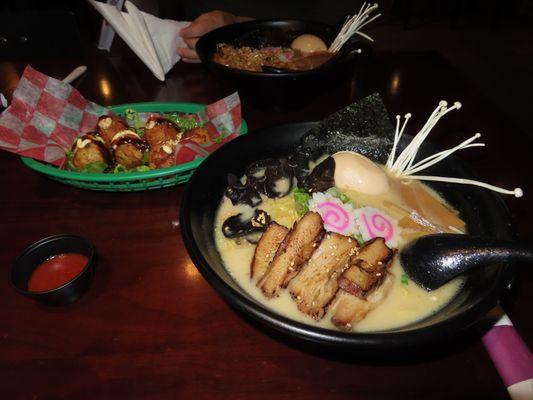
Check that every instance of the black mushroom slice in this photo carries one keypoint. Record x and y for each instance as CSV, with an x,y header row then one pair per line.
x,y
240,193
239,226
271,177
278,182
256,173
299,162
322,176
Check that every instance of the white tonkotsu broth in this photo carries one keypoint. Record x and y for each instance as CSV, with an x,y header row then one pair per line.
x,y
404,304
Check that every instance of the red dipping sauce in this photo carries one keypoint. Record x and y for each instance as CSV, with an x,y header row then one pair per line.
x,y
56,271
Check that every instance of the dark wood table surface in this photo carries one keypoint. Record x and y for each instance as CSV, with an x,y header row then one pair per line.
x,y
150,326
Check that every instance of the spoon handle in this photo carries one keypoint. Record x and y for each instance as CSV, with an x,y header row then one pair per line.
x,y
511,357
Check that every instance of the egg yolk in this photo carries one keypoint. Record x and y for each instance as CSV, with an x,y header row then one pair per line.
x,y
356,172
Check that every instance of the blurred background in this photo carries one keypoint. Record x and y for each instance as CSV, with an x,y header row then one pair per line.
x,y
488,42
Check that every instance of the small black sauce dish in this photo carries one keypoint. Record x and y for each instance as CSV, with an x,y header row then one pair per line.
x,y
40,251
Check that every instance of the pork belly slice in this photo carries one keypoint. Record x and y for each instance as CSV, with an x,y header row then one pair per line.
x,y
367,268
357,281
360,281
292,253
350,309
316,284
266,248
373,256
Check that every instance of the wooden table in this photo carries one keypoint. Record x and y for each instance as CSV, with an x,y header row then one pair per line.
x,y
150,325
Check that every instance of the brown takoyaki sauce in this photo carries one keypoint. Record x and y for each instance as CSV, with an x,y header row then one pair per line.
x,y
139,143
108,126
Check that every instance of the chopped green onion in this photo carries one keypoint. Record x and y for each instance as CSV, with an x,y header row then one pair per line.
x,y
130,114
184,123
142,168
138,131
92,168
119,168
405,279
301,198
359,238
341,196
146,157
134,121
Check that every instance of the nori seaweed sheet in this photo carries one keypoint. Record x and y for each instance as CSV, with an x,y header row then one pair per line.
x,y
363,127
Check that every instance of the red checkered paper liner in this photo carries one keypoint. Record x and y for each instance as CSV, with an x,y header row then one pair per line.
x,y
45,117
222,120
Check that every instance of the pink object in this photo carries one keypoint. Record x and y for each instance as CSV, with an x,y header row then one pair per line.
x,y
335,217
374,223
379,226
512,358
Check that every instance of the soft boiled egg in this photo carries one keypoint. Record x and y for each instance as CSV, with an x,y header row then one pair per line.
x,y
356,172
309,44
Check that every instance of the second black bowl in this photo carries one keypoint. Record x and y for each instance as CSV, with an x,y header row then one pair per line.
x,y
285,89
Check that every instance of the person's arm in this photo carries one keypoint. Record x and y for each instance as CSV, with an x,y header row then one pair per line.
x,y
200,26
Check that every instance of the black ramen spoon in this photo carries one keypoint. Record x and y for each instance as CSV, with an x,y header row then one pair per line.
x,y
433,260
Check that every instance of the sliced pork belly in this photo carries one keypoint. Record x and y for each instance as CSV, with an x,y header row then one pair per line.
x,y
362,283
350,309
367,268
293,252
316,284
266,249
373,256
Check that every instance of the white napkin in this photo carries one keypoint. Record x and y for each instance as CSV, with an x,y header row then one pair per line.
x,y
153,40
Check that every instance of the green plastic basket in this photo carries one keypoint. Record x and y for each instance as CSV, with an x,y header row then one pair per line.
x,y
129,181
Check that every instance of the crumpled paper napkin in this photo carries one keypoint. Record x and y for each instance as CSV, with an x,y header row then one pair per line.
x,y
153,40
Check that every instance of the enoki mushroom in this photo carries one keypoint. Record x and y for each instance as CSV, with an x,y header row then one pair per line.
x,y
353,26
404,165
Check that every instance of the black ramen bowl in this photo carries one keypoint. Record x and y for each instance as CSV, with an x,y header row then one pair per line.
x,y
277,90
483,211
42,250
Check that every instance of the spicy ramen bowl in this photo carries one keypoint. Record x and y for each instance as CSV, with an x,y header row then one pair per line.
x,y
278,89
483,211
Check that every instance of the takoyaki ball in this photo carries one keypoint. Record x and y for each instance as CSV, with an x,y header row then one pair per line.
x,y
159,130
108,126
129,149
89,149
199,135
163,155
